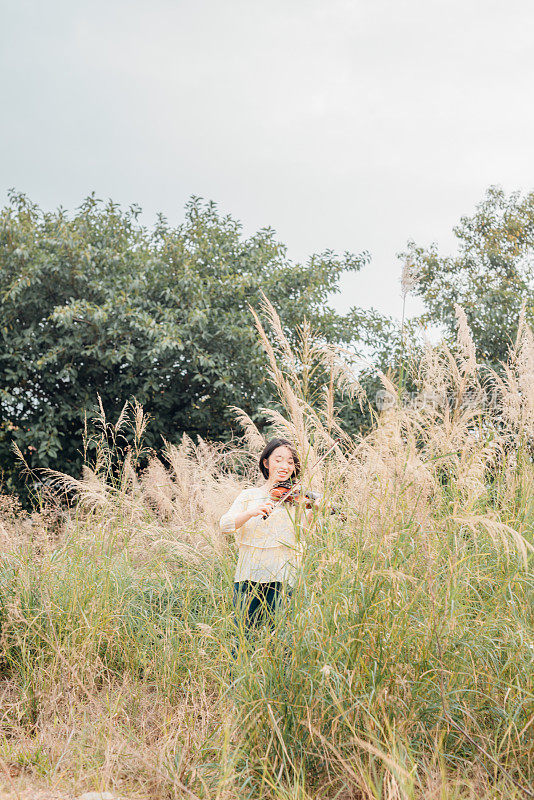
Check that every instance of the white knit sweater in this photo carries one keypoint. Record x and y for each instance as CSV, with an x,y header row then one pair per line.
x,y
269,550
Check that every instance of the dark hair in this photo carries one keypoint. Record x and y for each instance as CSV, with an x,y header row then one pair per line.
x,y
270,447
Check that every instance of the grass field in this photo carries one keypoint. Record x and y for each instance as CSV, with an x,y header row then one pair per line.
x,y
404,667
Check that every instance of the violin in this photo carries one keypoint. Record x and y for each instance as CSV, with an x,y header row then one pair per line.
x,y
288,492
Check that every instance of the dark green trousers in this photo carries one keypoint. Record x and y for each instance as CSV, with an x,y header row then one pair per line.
x,y
255,603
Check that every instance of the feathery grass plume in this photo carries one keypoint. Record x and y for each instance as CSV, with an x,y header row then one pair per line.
x,y
111,480
522,321
432,376
307,358
129,482
389,386
392,789
464,443
317,361
140,421
294,393
465,343
409,276
91,491
447,380
193,490
515,389
101,417
476,461
122,416
328,409
11,516
407,649
18,452
290,428
255,440
289,357
287,395
159,490
524,365
390,482
341,372
276,374
500,532
411,445
190,493
449,412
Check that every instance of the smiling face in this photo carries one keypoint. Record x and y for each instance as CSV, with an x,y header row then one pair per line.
x,y
280,464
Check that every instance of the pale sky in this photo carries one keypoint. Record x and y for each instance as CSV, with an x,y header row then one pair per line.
x,y
344,124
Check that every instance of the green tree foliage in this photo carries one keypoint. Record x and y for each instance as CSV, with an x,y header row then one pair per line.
x,y
490,277
95,303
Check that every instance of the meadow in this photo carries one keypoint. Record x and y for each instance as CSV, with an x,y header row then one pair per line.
x,y
404,667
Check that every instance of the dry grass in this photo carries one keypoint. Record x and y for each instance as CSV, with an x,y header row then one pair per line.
x,y
405,668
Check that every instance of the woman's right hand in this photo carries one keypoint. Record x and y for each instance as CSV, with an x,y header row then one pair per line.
x,y
263,510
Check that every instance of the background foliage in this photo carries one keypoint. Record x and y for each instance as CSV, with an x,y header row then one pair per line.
x,y
491,275
96,304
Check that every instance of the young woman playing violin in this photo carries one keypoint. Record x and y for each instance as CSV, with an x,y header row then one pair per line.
x,y
263,521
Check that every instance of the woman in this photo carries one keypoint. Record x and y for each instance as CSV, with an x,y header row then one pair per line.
x,y
269,553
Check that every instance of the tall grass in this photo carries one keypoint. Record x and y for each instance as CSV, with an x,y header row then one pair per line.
x,y
404,666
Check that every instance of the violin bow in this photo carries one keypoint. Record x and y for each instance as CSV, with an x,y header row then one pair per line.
x,y
290,491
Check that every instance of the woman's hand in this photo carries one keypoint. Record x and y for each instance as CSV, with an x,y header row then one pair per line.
x,y
310,512
264,509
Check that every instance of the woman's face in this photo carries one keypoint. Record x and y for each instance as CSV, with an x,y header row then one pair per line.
x,y
280,464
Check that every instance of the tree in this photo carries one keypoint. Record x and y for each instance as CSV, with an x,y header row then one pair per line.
x,y
95,303
491,276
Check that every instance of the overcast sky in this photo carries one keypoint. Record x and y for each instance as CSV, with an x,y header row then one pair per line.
x,y
343,124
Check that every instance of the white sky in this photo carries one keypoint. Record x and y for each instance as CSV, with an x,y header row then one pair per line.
x,y
349,124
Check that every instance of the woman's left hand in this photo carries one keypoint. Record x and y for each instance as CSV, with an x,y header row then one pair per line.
x,y
310,511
